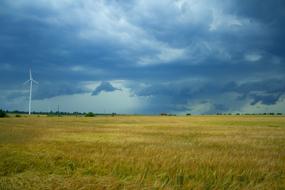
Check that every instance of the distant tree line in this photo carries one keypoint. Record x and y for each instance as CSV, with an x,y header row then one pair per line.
x,y
3,113
271,113
90,114
56,113
167,114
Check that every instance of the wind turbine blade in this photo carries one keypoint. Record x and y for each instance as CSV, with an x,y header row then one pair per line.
x,y
31,78
27,81
35,81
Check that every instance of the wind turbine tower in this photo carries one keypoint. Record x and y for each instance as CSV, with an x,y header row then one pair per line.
x,y
31,81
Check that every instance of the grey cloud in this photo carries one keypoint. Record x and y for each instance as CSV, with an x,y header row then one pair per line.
x,y
50,90
165,46
265,99
220,108
222,96
104,87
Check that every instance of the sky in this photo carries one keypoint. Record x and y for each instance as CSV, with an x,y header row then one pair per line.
x,y
143,56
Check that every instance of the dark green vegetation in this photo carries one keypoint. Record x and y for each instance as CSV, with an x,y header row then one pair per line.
x,y
139,152
90,114
3,113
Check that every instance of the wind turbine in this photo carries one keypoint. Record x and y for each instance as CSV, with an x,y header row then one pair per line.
x,y
31,81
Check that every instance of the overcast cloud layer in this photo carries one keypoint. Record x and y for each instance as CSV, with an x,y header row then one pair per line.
x,y
179,56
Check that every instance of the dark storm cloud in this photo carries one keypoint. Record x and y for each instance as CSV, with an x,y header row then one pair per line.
x,y
256,9
104,87
50,90
265,99
271,14
179,53
46,90
177,95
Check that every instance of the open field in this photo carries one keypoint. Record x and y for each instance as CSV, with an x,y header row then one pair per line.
x,y
143,152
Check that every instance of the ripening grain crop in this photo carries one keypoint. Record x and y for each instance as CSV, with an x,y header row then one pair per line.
x,y
143,152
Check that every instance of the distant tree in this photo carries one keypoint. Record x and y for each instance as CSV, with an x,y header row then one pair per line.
x,y
90,114
279,113
3,113
188,114
237,113
113,114
163,114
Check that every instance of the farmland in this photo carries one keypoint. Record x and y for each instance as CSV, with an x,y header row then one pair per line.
x,y
142,152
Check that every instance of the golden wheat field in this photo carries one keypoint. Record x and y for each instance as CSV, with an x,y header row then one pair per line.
x,y
143,152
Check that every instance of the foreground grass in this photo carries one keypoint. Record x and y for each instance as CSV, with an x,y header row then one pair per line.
x,y
139,152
